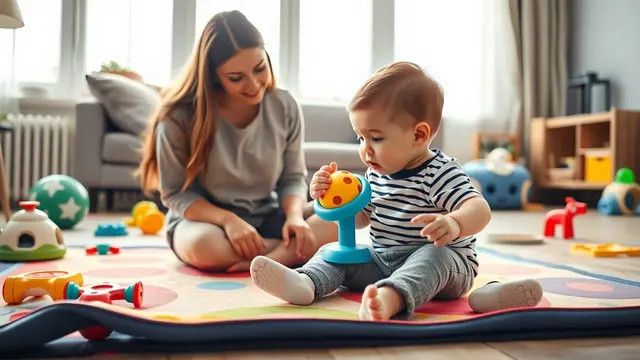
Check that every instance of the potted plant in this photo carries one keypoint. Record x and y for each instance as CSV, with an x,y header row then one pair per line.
x,y
113,67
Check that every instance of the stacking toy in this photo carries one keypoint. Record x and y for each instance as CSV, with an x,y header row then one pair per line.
x,y
347,195
622,197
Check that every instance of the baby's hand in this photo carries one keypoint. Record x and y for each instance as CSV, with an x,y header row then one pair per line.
x,y
321,180
441,229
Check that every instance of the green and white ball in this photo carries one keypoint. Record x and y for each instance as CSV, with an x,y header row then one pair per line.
x,y
63,198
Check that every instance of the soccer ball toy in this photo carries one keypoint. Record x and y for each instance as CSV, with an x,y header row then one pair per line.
x,y
63,198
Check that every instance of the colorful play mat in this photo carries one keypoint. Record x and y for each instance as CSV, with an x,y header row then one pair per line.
x,y
190,310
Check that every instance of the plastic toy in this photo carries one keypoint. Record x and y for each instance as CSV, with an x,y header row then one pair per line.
x,y
102,249
105,292
605,250
346,251
16,288
115,229
503,184
63,198
622,197
563,217
31,235
147,217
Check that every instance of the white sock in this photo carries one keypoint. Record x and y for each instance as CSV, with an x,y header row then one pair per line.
x,y
499,296
282,282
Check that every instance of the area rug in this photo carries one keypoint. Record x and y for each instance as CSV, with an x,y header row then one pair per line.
x,y
184,309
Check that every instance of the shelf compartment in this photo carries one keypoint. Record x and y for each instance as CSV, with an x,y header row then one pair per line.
x,y
594,135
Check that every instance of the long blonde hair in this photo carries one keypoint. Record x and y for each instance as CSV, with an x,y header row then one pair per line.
x,y
197,88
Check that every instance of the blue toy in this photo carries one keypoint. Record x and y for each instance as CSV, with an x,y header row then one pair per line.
x,y
621,197
503,184
346,251
115,229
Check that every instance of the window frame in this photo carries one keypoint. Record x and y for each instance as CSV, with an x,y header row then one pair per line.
x,y
74,26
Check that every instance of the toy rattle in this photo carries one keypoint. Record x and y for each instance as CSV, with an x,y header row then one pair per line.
x,y
347,195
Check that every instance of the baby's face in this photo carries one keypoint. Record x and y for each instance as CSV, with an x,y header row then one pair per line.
x,y
385,146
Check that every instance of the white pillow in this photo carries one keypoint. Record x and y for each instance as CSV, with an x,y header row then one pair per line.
x,y
128,103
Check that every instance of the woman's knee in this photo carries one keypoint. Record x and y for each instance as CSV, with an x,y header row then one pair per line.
x,y
203,246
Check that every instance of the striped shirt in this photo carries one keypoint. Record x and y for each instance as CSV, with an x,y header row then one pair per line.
x,y
438,186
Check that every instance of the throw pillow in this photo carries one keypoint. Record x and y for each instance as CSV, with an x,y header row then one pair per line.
x,y
128,103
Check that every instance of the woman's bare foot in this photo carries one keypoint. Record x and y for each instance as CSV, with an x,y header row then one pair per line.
x,y
379,304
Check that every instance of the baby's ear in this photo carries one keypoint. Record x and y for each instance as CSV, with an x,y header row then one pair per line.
x,y
422,132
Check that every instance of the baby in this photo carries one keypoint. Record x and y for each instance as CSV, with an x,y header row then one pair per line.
x,y
423,212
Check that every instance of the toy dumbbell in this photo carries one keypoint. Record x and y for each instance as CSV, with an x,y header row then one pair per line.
x,y
105,292
102,249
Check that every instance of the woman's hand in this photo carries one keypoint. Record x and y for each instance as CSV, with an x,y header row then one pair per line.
x,y
296,229
244,238
321,180
441,229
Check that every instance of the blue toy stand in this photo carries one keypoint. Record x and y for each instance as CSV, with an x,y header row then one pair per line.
x,y
346,251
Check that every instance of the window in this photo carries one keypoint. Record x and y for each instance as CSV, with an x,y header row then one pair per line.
x,y
134,33
445,38
37,44
335,48
263,14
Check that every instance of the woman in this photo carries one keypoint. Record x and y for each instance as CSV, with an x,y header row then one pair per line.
x,y
225,151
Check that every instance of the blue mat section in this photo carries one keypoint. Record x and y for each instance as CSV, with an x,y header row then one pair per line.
x,y
37,333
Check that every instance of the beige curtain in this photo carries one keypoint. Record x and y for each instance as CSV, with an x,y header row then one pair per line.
x,y
540,28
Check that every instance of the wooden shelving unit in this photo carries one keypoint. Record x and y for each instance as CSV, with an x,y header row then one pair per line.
x,y
570,139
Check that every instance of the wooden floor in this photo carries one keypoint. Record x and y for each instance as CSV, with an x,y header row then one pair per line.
x,y
589,228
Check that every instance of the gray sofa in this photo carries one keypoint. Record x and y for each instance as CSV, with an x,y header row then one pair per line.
x,y
106,158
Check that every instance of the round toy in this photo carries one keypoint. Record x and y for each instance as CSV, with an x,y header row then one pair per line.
x,y
147,217
31,235
344,187
346,251
63,198
621,197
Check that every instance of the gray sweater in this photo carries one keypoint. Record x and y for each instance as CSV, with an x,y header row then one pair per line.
x,y
248,170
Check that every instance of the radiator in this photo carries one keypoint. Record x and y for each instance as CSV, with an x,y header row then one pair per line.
x,y
38,146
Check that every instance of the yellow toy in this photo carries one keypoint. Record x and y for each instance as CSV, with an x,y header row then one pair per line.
x,y
147,217
605,250
344,187
16,288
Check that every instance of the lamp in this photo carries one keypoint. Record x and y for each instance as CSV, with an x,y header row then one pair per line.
x,y
10,16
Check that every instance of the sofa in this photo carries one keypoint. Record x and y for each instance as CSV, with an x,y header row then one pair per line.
x,y
105,156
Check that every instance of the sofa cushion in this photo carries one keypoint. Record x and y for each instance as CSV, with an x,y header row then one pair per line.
x,y
128,103
321,153
121,148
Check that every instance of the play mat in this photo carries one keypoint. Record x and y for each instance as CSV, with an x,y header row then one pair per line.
x,y
184,308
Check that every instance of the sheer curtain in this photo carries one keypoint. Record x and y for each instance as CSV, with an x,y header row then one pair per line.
x,y
467,46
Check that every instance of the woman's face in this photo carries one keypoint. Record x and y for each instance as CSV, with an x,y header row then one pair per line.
x,y
245,76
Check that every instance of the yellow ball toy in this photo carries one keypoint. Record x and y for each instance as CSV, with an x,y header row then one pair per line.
x,y
344,187
147,217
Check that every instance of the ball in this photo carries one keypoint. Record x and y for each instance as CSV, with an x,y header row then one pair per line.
x,y
344,187
63,198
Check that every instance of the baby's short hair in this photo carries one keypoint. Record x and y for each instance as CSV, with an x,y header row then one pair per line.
x,y
402,87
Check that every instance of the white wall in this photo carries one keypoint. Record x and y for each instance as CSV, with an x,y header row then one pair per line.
x,y
605,37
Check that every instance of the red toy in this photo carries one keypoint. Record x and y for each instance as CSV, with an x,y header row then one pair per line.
x,y
105,292
563,217
102,249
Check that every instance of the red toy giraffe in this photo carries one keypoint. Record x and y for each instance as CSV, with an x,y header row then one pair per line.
x,y
563,217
